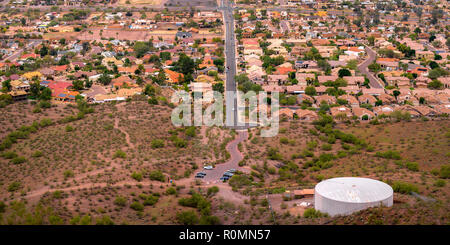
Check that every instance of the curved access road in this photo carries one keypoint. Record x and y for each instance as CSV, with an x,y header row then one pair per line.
x,y
235,157
363,68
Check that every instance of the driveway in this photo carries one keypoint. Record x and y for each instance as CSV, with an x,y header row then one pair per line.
x,y
363,68
235,157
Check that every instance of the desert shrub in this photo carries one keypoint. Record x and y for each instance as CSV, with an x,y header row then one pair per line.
x,y
120,154
14,186
68,174
157,143
311,213
2,207
85,220
171,191
213,190
157,175
153,101
137,206
151,200
325,157
37,109
323,120
209,220
180,143
341,154
104,220
108,127
37,154
307,153
284,140
55,220
187,218
445,172
346,147
313,132
46,122
331,139
137,176
238,181
274,154
120,201
9,155
389,155
440,183
404,188
45,104
271,170
326,147
57,194
399,116
264,202
192,201
69,128
413,166
196,201
190,131
18,160
311,145
6,144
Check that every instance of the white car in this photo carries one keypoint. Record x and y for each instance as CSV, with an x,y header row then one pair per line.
x,y
208,167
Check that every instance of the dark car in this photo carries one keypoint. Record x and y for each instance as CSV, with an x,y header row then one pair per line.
x,y
201,173
201,176
224,178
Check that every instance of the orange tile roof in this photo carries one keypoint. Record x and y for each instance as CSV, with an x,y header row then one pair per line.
x,y
173,75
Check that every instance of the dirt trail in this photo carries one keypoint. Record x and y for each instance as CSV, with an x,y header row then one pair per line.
x,y
127,136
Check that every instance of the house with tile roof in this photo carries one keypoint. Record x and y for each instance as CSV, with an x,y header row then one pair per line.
x,y
173,76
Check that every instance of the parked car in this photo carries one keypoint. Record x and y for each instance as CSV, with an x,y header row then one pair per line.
x,y
232,170
208,167
224,178
201,176
201,173
228,174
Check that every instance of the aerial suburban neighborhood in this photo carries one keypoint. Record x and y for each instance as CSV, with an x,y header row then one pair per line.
x,y
88,94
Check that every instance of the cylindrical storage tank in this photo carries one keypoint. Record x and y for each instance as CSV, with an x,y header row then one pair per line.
x,y
346,195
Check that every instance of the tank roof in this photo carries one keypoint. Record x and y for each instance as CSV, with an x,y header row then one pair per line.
x,y
354,190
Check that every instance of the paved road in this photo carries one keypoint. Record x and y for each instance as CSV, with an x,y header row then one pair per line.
x,y
230,85
363,68
230,54
19,52
213,176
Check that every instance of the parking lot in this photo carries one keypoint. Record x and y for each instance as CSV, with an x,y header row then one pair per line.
x,y
213,176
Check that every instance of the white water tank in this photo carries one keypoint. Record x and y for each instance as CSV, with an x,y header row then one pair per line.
x,y
346,195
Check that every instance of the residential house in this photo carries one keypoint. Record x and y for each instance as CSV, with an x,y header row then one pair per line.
x,y
351,100
173,76
367,99
341,110
306,115
363,113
